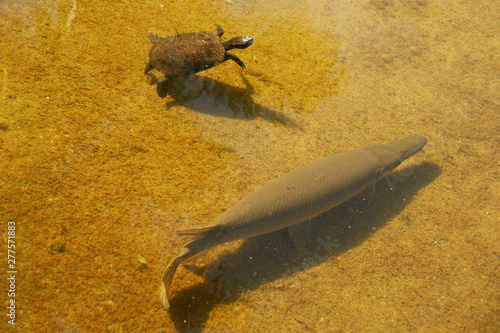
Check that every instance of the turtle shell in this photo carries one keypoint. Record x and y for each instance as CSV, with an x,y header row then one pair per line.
x,y
186,53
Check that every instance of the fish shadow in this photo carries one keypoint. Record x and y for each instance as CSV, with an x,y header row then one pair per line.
x,y
270,257
210,96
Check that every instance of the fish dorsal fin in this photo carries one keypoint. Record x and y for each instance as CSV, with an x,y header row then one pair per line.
x,y
192,234
299,233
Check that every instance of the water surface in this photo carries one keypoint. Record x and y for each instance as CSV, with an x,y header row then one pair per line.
x,y
98,172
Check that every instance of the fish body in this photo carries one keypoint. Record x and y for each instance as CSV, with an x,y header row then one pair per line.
x,y
296,197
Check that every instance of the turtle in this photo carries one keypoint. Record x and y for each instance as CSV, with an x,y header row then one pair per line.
x,y
189,53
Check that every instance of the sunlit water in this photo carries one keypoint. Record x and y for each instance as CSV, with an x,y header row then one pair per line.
x,y
98,172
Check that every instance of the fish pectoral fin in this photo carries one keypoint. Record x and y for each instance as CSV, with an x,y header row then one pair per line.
x,y
190,262
192,234
299,233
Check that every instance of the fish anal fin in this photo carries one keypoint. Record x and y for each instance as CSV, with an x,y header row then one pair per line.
x,y
299,233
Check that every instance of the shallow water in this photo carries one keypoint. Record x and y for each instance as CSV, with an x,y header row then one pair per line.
x,y
98,172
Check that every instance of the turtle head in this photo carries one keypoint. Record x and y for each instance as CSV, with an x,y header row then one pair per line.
x,y
238,43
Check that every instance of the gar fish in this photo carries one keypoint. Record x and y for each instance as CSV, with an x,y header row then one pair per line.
x,y
294,198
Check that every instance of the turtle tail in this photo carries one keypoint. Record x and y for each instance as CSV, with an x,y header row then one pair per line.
x,y
148,68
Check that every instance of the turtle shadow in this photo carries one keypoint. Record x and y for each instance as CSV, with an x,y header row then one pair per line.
x,y
210,96
271,257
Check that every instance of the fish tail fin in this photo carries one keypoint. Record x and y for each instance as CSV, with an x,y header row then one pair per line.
x,y
168,275
189,253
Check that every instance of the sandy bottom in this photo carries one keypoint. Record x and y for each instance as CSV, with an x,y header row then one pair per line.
x,y
97,172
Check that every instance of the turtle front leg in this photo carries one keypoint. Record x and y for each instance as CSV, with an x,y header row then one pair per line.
x,y
230,56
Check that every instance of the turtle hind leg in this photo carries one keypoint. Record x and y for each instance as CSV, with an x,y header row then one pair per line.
x,y
162,87
230,56
154,38
220,32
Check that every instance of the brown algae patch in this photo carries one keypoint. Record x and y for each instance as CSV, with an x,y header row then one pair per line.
x,y
4,124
